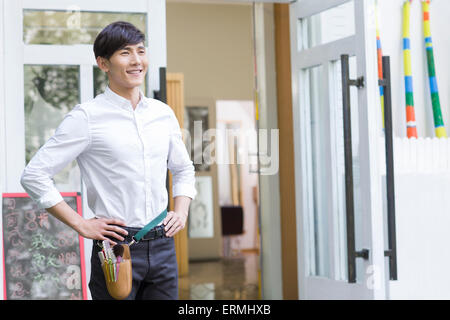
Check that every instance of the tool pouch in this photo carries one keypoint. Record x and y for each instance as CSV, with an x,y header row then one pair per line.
x,y
118,276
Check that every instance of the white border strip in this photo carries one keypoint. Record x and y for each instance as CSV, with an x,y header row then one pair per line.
x,y
88,5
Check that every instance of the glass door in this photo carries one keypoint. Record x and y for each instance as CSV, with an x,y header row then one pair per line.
x,y
339,221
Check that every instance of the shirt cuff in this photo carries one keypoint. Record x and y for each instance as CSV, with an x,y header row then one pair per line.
x,y
50,199
184,189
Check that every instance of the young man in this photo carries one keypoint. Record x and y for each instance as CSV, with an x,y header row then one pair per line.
x,y
123,143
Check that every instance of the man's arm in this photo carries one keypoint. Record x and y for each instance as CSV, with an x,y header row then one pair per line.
x,y
89,228
71,138
176,220
183,181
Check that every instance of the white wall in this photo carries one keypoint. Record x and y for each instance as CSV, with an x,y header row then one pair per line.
x,y
422,167
422,224
390,17
422,186
211,44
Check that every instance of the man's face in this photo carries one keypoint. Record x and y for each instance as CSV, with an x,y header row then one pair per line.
x,y
127,67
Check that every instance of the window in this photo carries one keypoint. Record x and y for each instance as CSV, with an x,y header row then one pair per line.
x,y
51,91
72,27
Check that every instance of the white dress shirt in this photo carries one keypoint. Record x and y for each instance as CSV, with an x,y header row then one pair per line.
x,y
123,155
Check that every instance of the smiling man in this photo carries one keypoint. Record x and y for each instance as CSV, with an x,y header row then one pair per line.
x,y
123,143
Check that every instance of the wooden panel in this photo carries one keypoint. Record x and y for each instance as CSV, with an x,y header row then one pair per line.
x,y
175,99
287,182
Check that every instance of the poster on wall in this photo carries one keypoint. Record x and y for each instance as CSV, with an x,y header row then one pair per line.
x,y
43,259
201,214
196,123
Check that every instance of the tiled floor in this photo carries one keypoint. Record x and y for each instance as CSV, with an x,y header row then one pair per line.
x,y
231,278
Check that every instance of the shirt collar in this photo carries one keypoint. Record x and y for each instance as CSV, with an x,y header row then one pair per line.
x,y
122,102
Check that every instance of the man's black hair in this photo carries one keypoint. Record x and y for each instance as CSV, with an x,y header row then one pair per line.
x,y
116,36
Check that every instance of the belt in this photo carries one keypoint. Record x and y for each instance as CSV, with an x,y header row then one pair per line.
x,y
150,226
155,233
148,232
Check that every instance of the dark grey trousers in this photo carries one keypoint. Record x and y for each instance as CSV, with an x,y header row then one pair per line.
x,y
154,267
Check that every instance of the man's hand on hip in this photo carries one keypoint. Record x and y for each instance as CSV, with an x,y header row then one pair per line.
x,y
100,228
93,228
174,222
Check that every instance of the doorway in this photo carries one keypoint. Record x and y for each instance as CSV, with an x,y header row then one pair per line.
x,y
338,190
212,45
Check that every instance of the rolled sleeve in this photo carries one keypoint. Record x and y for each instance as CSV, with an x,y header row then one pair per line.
x,y
71,138
50,199
183,189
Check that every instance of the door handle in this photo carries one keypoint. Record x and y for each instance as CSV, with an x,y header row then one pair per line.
x,y
161,94
352,254
390,186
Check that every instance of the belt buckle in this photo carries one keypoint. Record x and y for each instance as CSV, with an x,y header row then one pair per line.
x,y
133,241
159,233
151,234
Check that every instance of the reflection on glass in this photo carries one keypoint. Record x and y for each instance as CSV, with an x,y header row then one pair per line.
x,y
199,115
51,91
72,26
318,179
326,26
202,291
101,82
339,170
201,212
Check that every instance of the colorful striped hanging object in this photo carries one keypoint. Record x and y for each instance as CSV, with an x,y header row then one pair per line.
x,y
437,113
411,129
380,62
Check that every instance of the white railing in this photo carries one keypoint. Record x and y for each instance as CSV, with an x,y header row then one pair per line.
x,y
422,207
422,155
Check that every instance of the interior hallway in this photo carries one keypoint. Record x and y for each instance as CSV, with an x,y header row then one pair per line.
x,y
230,278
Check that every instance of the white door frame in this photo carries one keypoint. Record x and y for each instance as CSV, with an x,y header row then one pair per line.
x,y
16,54
363,45
2,101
